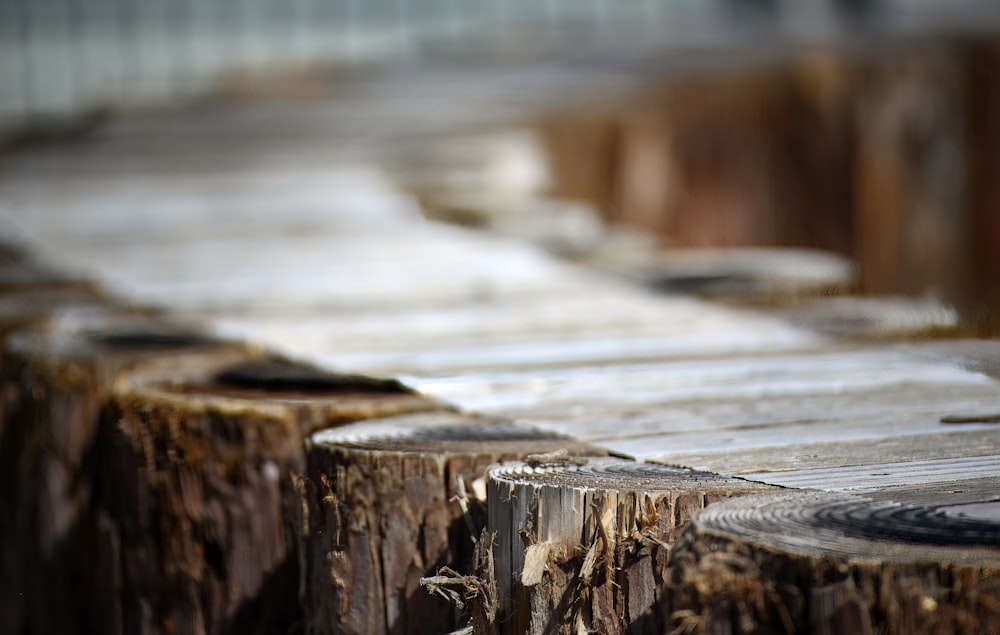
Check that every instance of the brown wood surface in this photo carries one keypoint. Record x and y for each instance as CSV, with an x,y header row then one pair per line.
x,y
288,237
581,545
389,502
197,459
57,376
835,563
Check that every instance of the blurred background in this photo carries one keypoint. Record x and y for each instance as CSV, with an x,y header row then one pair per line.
x,y
621,132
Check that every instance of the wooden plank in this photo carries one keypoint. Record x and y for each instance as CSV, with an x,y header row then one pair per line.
x,y
900,448
743,377
876,476
524,328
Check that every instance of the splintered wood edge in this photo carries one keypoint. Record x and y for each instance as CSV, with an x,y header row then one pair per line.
x,y
613,474
568,505
446,451
817,524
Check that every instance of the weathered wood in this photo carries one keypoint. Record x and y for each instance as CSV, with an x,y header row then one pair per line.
x,y
386,503
581,546
196,463
603,323
836,563
328,264
587,392
56,379
775,462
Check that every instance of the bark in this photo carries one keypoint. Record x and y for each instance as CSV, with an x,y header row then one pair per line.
x,y
197,458
581,546
834,563
56,374
391,502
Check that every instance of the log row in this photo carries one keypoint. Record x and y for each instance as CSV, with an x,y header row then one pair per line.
x,y
611,546
155,479
143,464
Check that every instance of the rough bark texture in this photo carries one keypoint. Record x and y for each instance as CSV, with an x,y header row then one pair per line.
x,y
389,503
56,377
197,459
834,563
29,491
582,546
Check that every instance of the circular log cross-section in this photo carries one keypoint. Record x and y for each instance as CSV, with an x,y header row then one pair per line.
x,y
831,563
57,372
389,502
581,546
197,470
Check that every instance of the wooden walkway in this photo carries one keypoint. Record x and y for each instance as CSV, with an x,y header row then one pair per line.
x,y
311,251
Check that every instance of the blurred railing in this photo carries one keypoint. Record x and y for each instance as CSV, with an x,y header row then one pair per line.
x,y
61,57
65,57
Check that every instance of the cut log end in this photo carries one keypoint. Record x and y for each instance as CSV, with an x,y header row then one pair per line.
x,y
833,563
585,546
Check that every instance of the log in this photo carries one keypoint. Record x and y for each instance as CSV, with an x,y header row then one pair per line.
x,y
581,546
56,373
836,563
197,457
390,502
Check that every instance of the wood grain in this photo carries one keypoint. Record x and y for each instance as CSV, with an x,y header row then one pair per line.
x,y
197,458
835,563
388,502
584,546
57,377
